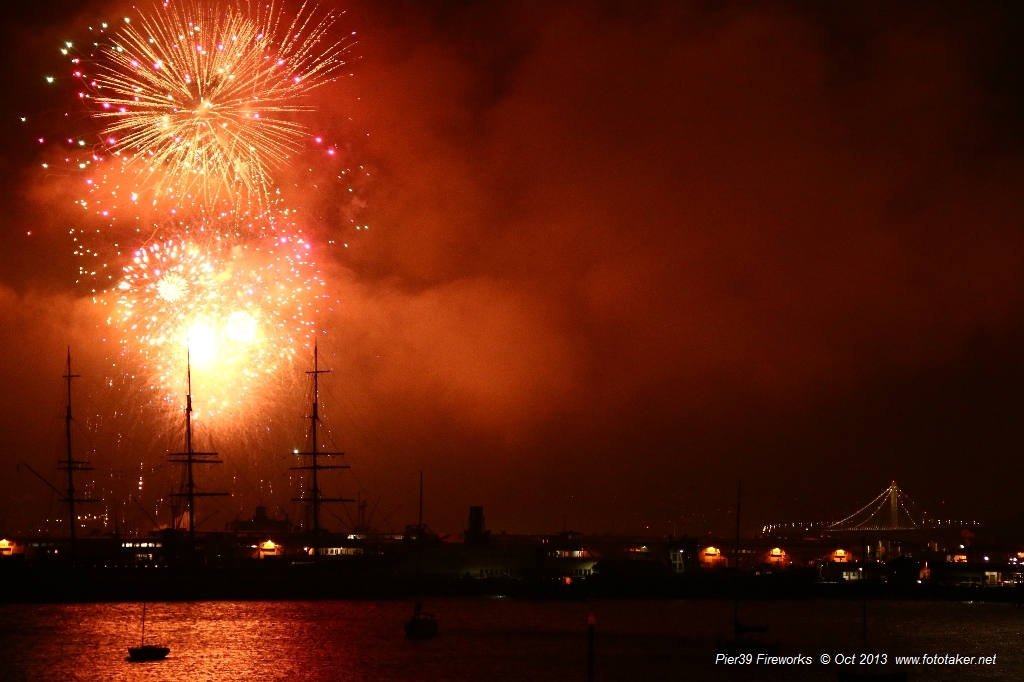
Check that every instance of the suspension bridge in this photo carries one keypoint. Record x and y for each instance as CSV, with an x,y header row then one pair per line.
x,y
888,511
891,509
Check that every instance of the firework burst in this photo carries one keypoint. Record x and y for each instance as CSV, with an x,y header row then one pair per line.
x,y
241,309
187,241
199,98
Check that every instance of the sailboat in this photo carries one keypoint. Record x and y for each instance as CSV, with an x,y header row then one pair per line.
x,y
422,625
146,652
746,639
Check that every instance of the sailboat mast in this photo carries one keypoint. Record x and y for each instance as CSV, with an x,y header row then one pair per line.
x,y
190,458
736,552
70,460
71,465
314,418
315,497
864,596
191,489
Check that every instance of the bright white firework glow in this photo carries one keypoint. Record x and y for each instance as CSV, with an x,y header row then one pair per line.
x,y
239,311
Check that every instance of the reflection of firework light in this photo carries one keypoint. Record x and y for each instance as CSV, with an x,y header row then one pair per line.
x,y
197,96
241,313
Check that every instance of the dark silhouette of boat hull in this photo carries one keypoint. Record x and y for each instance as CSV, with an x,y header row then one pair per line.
x,y
147,652
421,627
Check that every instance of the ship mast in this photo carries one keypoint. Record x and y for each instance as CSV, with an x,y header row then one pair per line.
x,y
190,458
70,464
315,498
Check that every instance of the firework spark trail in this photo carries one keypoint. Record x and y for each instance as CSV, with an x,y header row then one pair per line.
x,y
191,248
240,308
119,213
198,96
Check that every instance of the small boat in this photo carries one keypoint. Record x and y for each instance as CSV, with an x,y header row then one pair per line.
x,y
146,652
422,625
748,639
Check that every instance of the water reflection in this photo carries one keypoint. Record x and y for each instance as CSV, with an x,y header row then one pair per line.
x,y
489,640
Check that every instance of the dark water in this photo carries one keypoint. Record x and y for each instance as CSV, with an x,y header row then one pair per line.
x,y
488,639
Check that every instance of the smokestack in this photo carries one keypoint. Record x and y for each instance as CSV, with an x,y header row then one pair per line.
x,y
476,532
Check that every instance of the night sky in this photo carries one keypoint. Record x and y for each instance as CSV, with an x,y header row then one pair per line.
x,y
620,255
